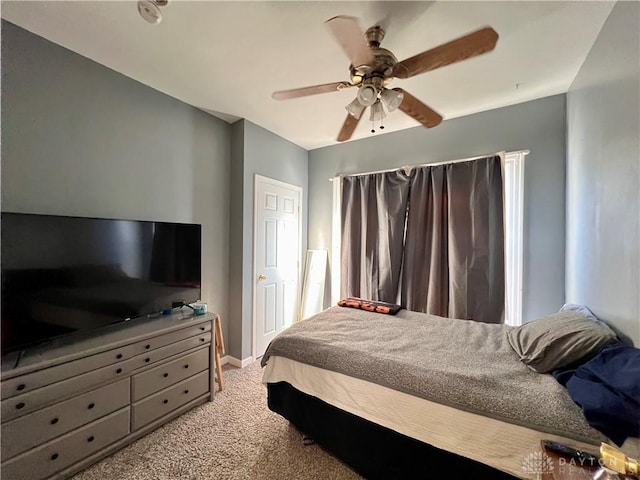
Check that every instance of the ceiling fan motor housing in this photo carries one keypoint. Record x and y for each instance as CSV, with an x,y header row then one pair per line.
x,y
382,67
374,76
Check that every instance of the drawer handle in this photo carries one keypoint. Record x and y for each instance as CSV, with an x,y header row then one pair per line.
x,y
91,439
202,339
202,328
147,347
54,421
165,401
22,386
165,375
119,370
20,405
147,360
91,405
186,366
186,392
54,456
119,356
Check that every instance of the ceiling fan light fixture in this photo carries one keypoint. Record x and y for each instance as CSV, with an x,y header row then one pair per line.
x,y
377,112
355,108
367,95
391,98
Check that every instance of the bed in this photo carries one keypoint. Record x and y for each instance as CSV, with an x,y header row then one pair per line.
x,y
416,395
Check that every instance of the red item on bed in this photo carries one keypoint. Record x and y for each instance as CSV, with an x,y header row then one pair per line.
x,y
370,305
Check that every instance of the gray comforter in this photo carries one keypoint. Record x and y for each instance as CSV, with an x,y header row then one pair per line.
x,y
463,364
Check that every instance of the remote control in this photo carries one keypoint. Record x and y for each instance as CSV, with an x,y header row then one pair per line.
x,y
581,458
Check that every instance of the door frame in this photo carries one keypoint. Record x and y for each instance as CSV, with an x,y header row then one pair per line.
x,y
261,178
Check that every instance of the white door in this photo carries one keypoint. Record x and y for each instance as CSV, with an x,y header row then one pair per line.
x,y
276,259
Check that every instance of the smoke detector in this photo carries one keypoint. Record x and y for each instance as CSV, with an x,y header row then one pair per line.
x,y
150,10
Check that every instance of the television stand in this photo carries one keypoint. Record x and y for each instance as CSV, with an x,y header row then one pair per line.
x,y
64,407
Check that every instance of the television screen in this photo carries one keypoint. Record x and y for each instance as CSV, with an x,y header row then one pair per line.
x,y
67,274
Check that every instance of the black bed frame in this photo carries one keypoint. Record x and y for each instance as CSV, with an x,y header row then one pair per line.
x,y
375,452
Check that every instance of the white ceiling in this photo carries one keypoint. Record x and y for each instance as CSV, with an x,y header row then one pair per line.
x,y
228,57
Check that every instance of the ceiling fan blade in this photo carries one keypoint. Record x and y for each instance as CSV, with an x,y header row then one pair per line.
x,y
313,90
350,36
348,127
470,45
418,110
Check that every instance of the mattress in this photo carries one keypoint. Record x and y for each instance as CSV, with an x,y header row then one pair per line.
x,y
501,445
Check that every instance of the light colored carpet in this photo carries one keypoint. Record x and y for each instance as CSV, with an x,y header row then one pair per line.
x,y
234,437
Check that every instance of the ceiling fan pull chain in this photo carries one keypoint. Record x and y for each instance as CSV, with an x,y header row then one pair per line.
x,y
373,126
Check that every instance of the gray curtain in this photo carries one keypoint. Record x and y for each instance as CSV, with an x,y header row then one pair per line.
x,y
454,245
373,220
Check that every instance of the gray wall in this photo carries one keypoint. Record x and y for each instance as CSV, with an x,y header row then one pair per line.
x,y
538,125
256,151
603,148
81,139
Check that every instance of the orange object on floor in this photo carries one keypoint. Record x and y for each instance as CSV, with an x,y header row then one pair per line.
x,y
219,350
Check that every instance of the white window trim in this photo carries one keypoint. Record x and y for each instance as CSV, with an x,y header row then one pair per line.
x,y
336,239
514,236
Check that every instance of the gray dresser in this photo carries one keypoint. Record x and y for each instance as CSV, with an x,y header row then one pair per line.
x,y
67,406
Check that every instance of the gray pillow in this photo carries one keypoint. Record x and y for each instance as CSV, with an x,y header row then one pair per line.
x,y
558,340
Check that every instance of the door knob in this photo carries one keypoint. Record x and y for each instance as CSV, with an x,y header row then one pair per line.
x,y
262,278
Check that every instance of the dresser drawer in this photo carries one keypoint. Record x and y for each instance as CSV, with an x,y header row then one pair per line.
x,y
26,383
44,461
150,381
154,356
167,338
22,404
39,427
163,402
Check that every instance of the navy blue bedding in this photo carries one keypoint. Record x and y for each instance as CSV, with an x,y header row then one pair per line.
x,y
607,388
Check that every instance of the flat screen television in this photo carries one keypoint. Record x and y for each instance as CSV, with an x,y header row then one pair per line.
x,y
63,275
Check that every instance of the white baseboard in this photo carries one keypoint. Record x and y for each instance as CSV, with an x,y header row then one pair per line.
x,y
235,362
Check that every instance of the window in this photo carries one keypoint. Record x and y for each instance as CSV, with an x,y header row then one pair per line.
x,y
514,222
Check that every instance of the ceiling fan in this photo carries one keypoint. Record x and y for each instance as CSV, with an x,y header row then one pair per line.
x,y
373,68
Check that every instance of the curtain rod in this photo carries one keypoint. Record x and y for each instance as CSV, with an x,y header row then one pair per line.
x,y
523,152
